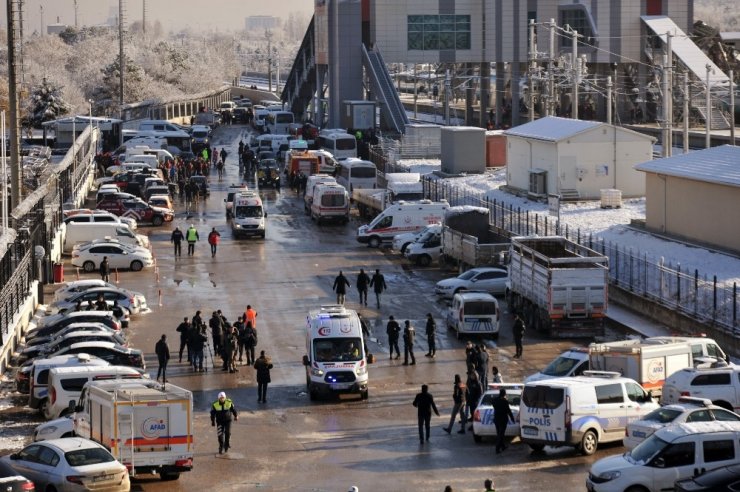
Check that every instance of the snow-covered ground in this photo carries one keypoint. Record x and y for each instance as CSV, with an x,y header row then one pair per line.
x,y
613,225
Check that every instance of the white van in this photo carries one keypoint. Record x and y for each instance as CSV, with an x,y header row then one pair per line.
x,y
273,142
82,232
427,248
162,155
279,121
230,194
355,174
327,163
581,411
672,453
158,125
312,181
39,375
399,218
336,362
572,362
474,313
260,118
65,385
148,159
330,202
250,218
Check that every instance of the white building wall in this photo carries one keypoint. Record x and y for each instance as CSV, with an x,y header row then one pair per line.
x,y
522,155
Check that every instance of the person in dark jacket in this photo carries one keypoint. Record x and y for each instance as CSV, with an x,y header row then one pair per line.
x,y
378,285
393,329
105,270
197,343
474,392
340,287
501,417
176,238
250,342
216,328
184,329
363,280
482,366
458,407
263,365
163,356
222,411
424,402
430,330
518,332
409,333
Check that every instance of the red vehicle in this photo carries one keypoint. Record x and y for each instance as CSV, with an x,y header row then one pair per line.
x,y
137,209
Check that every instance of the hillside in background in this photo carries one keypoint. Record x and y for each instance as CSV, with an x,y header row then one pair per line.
x,y
721,14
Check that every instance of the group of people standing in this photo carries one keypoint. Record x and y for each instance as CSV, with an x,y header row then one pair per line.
x,y
364,283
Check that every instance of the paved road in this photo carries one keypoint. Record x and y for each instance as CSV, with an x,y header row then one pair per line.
x,y
290,443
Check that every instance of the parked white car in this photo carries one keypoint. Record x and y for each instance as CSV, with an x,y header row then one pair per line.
x,y
69,289
134,302
489,279
134,258
483,425
721,385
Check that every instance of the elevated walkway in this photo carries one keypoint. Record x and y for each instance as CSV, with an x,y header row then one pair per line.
x,y
381,84
300,86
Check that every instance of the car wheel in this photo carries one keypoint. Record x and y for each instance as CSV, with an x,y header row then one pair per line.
x,y
538,448
478,439
167,476
403,248
636,488
88,266
589,443
157,220
424,260
50,488
136,266
458,290
364,394
374,242
69,434
495,336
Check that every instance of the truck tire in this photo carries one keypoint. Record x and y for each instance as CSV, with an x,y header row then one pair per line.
x,y
589,443
364,394
157,220
374,242
167,476
136,266
424,260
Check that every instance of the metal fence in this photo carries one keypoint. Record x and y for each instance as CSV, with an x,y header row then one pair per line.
x,y
33,225
691,293
181,107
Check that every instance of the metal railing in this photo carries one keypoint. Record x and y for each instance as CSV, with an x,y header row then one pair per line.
x,y
695,295
180,107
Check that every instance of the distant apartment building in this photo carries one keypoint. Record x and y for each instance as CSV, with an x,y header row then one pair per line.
x,y
261,22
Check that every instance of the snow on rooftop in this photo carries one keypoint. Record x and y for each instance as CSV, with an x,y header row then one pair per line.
x,y
552,128
718,165
421,166
611,225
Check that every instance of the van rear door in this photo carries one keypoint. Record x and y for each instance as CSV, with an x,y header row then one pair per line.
x,y
543,414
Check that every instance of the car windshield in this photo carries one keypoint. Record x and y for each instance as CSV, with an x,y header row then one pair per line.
x,y
467,275
90,456
248,212
200,134
647,449
560,366
662,415
337,349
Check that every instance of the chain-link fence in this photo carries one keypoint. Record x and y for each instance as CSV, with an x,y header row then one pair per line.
x,y
707,300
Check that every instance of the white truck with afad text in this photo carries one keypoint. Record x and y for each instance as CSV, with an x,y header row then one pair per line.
x,y
336,362
147,426
559,286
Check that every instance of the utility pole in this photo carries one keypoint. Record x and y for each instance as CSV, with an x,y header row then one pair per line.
x,y
15,163
686,100
532,67
143,16
76,24
576,77
732,106
667,100
448,94
121,58
416,95
708,123
268,35
551,72
41,20
609,100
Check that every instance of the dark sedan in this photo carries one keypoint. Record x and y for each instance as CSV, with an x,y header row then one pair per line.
x,y
11,481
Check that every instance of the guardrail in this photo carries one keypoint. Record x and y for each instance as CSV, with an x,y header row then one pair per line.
x,y
179,107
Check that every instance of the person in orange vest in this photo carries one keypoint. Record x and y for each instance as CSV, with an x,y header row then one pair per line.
x,y
250,316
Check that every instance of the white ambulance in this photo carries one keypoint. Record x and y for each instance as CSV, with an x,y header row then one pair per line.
x,y
336,362
401,217
146,425
330,203
249,216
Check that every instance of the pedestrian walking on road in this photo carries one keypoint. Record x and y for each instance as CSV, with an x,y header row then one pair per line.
x,y
458,407
363,280
501,417
263,365
163,356
482,365
378,285
176,238
184,329
474,392
409,333
430,330
340,287
105,270
393,329
198,342
488,484
518,332
424,402
250,342
192,237
215,324
223,155
213,239
222,412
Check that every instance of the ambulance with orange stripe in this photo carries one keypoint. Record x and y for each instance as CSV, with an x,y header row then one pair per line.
x,y
399,218
146,425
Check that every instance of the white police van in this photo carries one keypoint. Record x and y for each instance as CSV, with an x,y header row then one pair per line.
x,y
336,362
581,411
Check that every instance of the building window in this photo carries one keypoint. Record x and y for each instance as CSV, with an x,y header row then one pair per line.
x,y
579,19
438,32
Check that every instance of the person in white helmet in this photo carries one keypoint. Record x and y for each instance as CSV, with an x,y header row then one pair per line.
x,y
222,410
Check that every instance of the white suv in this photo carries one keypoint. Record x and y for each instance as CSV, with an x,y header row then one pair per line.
x,y
721,385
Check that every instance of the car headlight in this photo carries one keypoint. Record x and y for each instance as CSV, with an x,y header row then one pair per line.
x,y
316,372
610,475
361,371
48,430
237,226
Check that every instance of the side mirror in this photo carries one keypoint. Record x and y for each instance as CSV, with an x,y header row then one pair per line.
x,y
306,361
14,456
